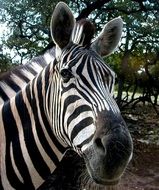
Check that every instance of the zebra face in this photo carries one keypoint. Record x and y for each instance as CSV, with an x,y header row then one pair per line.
x,y
92,119
89,117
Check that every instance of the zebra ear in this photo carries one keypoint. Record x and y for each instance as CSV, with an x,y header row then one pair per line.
x,y
62,24
109,38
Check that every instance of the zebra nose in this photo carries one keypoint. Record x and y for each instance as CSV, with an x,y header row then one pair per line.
x,y
115,139
100,145
113,151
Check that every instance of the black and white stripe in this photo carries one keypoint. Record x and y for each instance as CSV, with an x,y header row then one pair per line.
x,y
29,141
13,81
91,85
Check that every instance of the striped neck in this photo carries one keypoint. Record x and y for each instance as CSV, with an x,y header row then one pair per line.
x,y
29,143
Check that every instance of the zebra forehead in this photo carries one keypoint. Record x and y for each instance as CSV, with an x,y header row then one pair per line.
x,y
75,55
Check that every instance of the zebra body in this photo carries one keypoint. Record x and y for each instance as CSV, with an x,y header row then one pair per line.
x,y
67,104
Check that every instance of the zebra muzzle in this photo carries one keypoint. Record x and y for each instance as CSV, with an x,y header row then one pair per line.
x,y
110,153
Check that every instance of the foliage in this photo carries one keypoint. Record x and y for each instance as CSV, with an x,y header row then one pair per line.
x,y
4,64
28,23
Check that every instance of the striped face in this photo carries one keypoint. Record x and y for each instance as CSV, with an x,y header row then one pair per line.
x,y
86,84
90,120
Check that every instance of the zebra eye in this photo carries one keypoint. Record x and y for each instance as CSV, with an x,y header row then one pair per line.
x,y
66,74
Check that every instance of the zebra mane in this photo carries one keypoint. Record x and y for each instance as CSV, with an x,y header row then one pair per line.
x,y
13,81
83,33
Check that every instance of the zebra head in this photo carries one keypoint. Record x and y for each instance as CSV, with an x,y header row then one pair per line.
x,y
89,118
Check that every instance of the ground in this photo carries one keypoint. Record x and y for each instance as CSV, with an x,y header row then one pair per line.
x,y
141,174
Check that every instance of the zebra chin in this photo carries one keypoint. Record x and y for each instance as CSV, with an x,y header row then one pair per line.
x,y
101,173
101,179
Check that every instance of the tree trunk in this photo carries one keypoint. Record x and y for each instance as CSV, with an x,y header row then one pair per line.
x,y
121,80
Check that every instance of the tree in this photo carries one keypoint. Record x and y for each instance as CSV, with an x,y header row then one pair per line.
x,y
28,23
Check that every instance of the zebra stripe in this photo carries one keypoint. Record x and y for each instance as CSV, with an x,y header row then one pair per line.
x,y
13,81
42,142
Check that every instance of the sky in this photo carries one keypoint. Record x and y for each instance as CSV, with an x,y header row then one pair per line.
x,y
3,30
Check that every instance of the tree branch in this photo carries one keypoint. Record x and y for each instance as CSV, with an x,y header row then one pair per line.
x,y
91,7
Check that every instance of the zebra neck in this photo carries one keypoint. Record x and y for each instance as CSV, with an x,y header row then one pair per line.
x,y
28,138
36,92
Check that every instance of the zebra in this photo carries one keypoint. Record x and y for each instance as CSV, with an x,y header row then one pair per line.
x,y
67,104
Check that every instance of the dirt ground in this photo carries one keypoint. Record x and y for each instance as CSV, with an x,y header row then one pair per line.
x,y
141,174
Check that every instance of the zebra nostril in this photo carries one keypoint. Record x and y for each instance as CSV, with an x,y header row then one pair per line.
x,y
98,143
